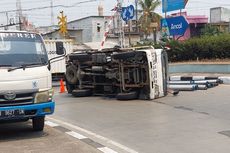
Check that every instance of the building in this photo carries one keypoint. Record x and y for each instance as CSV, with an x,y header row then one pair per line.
x,y
84,30
93,28
196,23
220,18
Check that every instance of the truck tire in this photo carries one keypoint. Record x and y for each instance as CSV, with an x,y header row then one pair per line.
x,y
80,57
38,123
127,96
69,87
82,92
71,74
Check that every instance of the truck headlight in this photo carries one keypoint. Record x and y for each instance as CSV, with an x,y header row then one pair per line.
x,y
44,96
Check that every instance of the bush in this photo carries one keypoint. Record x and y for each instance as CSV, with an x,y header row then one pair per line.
x,y
206,47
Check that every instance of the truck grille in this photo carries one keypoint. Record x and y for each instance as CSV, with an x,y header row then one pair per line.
x,y
24,97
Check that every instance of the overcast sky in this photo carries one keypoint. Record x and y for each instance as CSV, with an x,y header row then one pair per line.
x,y
43,17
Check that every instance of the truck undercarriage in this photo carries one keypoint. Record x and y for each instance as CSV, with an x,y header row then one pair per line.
x,y
110,73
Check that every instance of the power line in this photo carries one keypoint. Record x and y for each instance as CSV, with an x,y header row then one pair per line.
x,y
31,1
55,6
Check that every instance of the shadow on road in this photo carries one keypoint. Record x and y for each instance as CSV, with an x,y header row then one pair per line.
x,y
18,131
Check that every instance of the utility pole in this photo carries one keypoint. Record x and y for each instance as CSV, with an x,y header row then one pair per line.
x,y
229,26
120,24
136,5
19,13
52,12
7,21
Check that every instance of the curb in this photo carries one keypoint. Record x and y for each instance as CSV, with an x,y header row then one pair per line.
x,y
80,137
224,79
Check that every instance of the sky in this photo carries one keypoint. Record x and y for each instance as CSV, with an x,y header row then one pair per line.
x,y
78,10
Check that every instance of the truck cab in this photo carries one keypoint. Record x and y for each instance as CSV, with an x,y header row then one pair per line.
x,y
25,78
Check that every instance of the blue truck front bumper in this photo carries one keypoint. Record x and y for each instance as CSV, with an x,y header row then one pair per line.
x,y
29,111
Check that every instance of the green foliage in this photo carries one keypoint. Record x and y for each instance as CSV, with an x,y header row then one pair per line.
x,y
207,47
148,15
209,30
148,43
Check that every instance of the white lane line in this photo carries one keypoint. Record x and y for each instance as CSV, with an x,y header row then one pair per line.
x,y
76,135
51,124
106,150
94,135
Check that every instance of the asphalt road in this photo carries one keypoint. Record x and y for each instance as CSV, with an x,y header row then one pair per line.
x,y
192,122
20,138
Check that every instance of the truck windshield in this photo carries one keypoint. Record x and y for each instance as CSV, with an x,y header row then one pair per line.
x,y
17,49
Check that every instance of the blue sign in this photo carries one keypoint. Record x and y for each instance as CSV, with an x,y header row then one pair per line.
x,y
172,5
127,13
176,25
164,28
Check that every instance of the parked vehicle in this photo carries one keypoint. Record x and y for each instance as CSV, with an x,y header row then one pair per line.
x,y
124,73
58,66
25,82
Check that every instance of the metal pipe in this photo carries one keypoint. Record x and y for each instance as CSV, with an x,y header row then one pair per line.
x,y
202,87
180,82
183,87
213,81
201,82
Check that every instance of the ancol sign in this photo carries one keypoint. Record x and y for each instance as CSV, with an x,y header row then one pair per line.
x,y
175,25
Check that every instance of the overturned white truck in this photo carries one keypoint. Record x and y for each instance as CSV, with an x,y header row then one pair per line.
x,y
122,73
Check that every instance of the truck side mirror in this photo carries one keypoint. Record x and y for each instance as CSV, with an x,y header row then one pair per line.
x,y
60,50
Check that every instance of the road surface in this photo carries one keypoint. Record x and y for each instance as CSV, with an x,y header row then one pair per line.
x,y
192,122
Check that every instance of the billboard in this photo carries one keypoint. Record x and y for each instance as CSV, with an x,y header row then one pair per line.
x,y
174,26
172,5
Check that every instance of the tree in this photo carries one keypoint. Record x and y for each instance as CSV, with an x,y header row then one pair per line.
x,y
149,16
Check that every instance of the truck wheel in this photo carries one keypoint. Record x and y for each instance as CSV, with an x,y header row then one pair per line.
x,y
81,92
127,96
80,57
38,123
71,74
69,87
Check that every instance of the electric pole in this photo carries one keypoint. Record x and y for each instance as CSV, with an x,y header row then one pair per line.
x,y
19,13
52,12
136,5
7,21
120,24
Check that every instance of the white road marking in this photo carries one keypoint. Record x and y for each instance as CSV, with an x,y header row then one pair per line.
x,y
106,150
94,135
51,124
76,135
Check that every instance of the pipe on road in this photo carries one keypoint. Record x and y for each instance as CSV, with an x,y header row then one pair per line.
x,y
189,87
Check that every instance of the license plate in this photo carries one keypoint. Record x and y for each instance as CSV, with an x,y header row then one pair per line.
x,y
12,113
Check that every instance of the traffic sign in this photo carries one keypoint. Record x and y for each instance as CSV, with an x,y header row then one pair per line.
x,y
62,23
176,25
127,13
172,5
